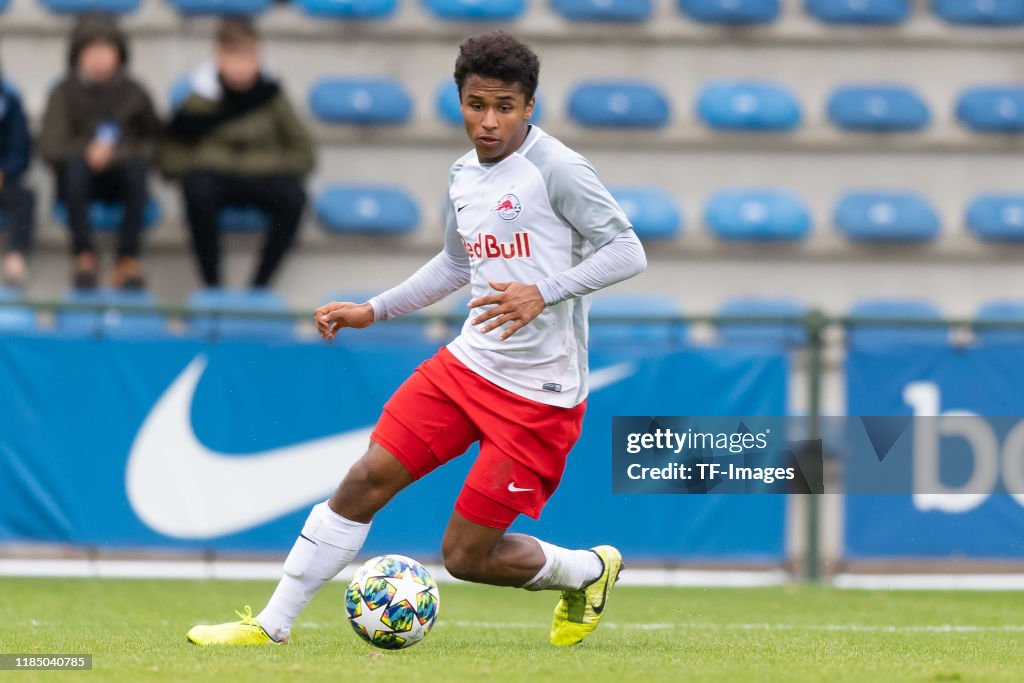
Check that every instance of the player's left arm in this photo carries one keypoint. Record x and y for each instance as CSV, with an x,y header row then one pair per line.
x,y
577,194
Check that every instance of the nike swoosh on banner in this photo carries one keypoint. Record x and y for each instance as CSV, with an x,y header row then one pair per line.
x,y
227,494
183,489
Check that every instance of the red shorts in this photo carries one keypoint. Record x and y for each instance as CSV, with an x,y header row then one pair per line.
x,y
444,407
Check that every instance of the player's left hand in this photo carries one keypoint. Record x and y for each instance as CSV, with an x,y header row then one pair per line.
x,y
515,303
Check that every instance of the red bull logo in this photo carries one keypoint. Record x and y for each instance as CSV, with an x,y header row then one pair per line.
x,y
508,208
488,246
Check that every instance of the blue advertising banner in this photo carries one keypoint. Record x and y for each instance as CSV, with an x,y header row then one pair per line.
x,y
965,462
182,444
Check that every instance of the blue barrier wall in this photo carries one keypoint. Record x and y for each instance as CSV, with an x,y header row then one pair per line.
x,y
182,444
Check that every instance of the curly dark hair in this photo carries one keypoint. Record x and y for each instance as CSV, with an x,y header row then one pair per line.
x,y
501,56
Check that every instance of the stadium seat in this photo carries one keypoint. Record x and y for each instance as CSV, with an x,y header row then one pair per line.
x,y
377,210
4,4
363,101
348,9
208,325
652,211
603,10
759,215
410,328
762,334
89,6
618,104
731,11
865,12
992,109
448,106
1002,311
180,89
15,318
997,217
635,322
476,10
980,12
105,320
882,335
748,105
221,7
876,216
879,109
106,216
243,219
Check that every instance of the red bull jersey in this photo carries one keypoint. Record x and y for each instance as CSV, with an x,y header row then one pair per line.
x,y
537,213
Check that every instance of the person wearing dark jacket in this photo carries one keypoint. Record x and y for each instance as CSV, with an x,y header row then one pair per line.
x,y
236,140
17,203
99,133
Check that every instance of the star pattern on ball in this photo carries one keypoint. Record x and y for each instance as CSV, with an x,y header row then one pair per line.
x,y
371,619
406,587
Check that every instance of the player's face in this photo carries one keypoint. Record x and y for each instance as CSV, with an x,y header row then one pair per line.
x,y
99,61
496,115
239,65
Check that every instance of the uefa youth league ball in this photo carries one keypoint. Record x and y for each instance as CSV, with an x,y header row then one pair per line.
x,y
392,601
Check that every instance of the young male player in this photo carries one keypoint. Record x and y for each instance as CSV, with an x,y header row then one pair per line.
x,y
533,231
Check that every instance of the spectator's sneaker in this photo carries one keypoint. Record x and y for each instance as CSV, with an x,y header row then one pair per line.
x,y
128,274
86,273
578,611
247,631
15,270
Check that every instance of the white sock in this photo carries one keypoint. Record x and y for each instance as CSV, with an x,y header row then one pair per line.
x,y
565,569
328,542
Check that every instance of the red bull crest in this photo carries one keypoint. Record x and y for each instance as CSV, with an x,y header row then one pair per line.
x,y
508,208
487,245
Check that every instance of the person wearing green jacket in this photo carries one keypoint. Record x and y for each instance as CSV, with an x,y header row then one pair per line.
x,y
236,141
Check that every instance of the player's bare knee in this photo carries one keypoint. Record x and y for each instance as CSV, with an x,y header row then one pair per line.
x,y
464,565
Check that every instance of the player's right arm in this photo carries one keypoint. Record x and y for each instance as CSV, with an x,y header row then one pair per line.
x,y
447,272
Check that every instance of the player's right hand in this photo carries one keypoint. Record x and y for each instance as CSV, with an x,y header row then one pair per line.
x,y
332,317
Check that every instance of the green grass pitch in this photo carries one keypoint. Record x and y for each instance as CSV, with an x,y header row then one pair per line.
x,y
135,630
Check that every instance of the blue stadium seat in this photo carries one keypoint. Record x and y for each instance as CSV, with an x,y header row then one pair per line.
x,y
992,109
618,104
1002,311
243,219
221,7
881,108
180,89
448,106
410,328
762,334
106,216
348,9
980,12
652,211
645,321
476,10
364,101
997,217
89,6
203,323
882,335
384,210
106,320
731,11
877,216
4,4
865,12
759,215
603,10
748,105
15,318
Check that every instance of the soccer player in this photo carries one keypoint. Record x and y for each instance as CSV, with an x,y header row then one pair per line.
x,y
533,231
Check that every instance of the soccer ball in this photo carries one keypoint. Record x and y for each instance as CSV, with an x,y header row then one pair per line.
x,y
392,602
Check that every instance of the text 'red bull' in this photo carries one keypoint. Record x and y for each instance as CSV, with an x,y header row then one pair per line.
x,y
488,246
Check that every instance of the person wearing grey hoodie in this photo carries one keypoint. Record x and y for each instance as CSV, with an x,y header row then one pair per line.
x,y
99,133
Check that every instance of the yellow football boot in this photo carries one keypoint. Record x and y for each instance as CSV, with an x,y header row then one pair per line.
x,y
245,632
578,611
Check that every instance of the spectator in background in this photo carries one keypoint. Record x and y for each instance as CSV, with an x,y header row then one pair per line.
x,y
17,203
99,133
236,141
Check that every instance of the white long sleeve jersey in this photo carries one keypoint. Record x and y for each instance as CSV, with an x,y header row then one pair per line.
x,y
533,217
